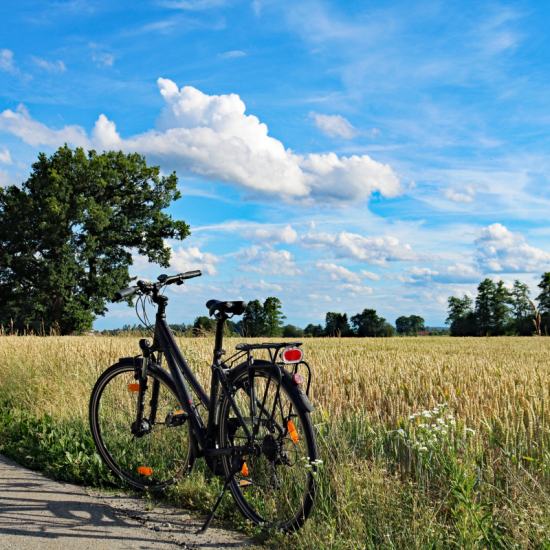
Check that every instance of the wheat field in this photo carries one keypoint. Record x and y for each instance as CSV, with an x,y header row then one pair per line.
x,y
368,394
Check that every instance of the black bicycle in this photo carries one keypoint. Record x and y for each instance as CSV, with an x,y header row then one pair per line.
x,y
256,432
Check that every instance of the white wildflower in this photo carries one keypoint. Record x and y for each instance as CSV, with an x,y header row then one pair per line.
x,y
401,432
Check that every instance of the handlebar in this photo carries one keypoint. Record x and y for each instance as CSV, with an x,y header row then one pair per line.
x,y
164,280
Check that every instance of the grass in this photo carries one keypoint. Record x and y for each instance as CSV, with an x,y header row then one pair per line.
x,y
426,442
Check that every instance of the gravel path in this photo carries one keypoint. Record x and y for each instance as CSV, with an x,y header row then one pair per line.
x,y
37,513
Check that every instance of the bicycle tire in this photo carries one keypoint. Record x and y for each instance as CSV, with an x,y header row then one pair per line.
x,y
257,495
166,450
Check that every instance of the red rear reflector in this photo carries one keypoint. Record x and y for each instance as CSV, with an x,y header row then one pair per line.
x,y
133,387
298,378
292,355
145,471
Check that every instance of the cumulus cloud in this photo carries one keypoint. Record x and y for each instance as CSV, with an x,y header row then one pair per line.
x,y
498,249
280,262
354,289
261,286
5,157
212,137
338,273
6,61
369,250
189,259
457,273
267,238
51,66
461,193
333,125
370,275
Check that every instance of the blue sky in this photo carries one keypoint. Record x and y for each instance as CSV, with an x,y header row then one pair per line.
x,y
337,155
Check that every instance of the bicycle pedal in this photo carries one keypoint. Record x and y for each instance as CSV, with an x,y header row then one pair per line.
x,y
175,419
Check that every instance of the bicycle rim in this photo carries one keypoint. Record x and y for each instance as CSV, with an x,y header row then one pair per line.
x,y
150,460
279,490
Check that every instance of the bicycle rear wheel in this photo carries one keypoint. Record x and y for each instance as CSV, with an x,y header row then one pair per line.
x,y
279,489
157,453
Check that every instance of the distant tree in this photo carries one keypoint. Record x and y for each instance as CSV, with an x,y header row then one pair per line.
x,y
337,324
204,323
254,320
290,331
273,316
402,325
409,325
368,323
520,301
544,297
67,233
313,330
501,310
461,316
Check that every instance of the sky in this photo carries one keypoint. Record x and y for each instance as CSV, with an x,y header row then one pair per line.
x,y
336,155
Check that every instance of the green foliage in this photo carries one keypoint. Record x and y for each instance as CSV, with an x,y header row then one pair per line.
x,y
273,316
337,324
409,325
266,320
204,323
544,297
368,323
290,331
66,235
313,330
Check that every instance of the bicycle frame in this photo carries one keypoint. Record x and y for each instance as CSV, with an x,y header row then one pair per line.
x,y
164,344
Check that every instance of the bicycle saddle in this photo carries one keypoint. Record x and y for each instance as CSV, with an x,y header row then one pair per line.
x,y
236,308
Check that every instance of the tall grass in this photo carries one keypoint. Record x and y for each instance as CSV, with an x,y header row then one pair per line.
x,y
471,472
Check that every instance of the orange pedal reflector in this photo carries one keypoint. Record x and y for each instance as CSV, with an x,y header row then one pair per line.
x,y
292,431
244,483
178,412
145,471
245,470
133,387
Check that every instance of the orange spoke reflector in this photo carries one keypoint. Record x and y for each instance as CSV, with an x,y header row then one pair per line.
x,y
244,483
245,470
178,412
145,471
292,431
133,387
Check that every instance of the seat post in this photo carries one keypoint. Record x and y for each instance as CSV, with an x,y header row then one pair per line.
x,y
218,351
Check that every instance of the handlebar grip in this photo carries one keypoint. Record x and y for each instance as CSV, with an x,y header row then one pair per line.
x,y
190,274
124,293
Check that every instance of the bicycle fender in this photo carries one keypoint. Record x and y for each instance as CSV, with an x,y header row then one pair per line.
x,y
297,392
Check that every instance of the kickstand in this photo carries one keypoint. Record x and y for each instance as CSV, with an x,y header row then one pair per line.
x,y
236,466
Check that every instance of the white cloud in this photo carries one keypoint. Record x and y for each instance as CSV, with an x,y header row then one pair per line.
x,y
461,193
271,262
370,275
232,54
323,298
5,157
501,250
103,59
5,179
354,289
370,250
212,137
458,273
338,273
51,66
267,238
334,125
261,286
6,61
189,259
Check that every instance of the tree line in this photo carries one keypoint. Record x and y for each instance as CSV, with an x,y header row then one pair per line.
x,y
499,311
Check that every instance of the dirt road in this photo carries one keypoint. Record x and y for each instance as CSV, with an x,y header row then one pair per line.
x,y
37,513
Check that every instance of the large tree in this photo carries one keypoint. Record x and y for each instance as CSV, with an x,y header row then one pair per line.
x,y
544,297
67,235
337,324
368,323
273,315
253,320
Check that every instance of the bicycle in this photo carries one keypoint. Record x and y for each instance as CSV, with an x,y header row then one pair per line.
x,y
258,432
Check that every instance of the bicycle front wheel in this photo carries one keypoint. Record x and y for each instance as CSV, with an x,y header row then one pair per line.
x,y
157,452
276,489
